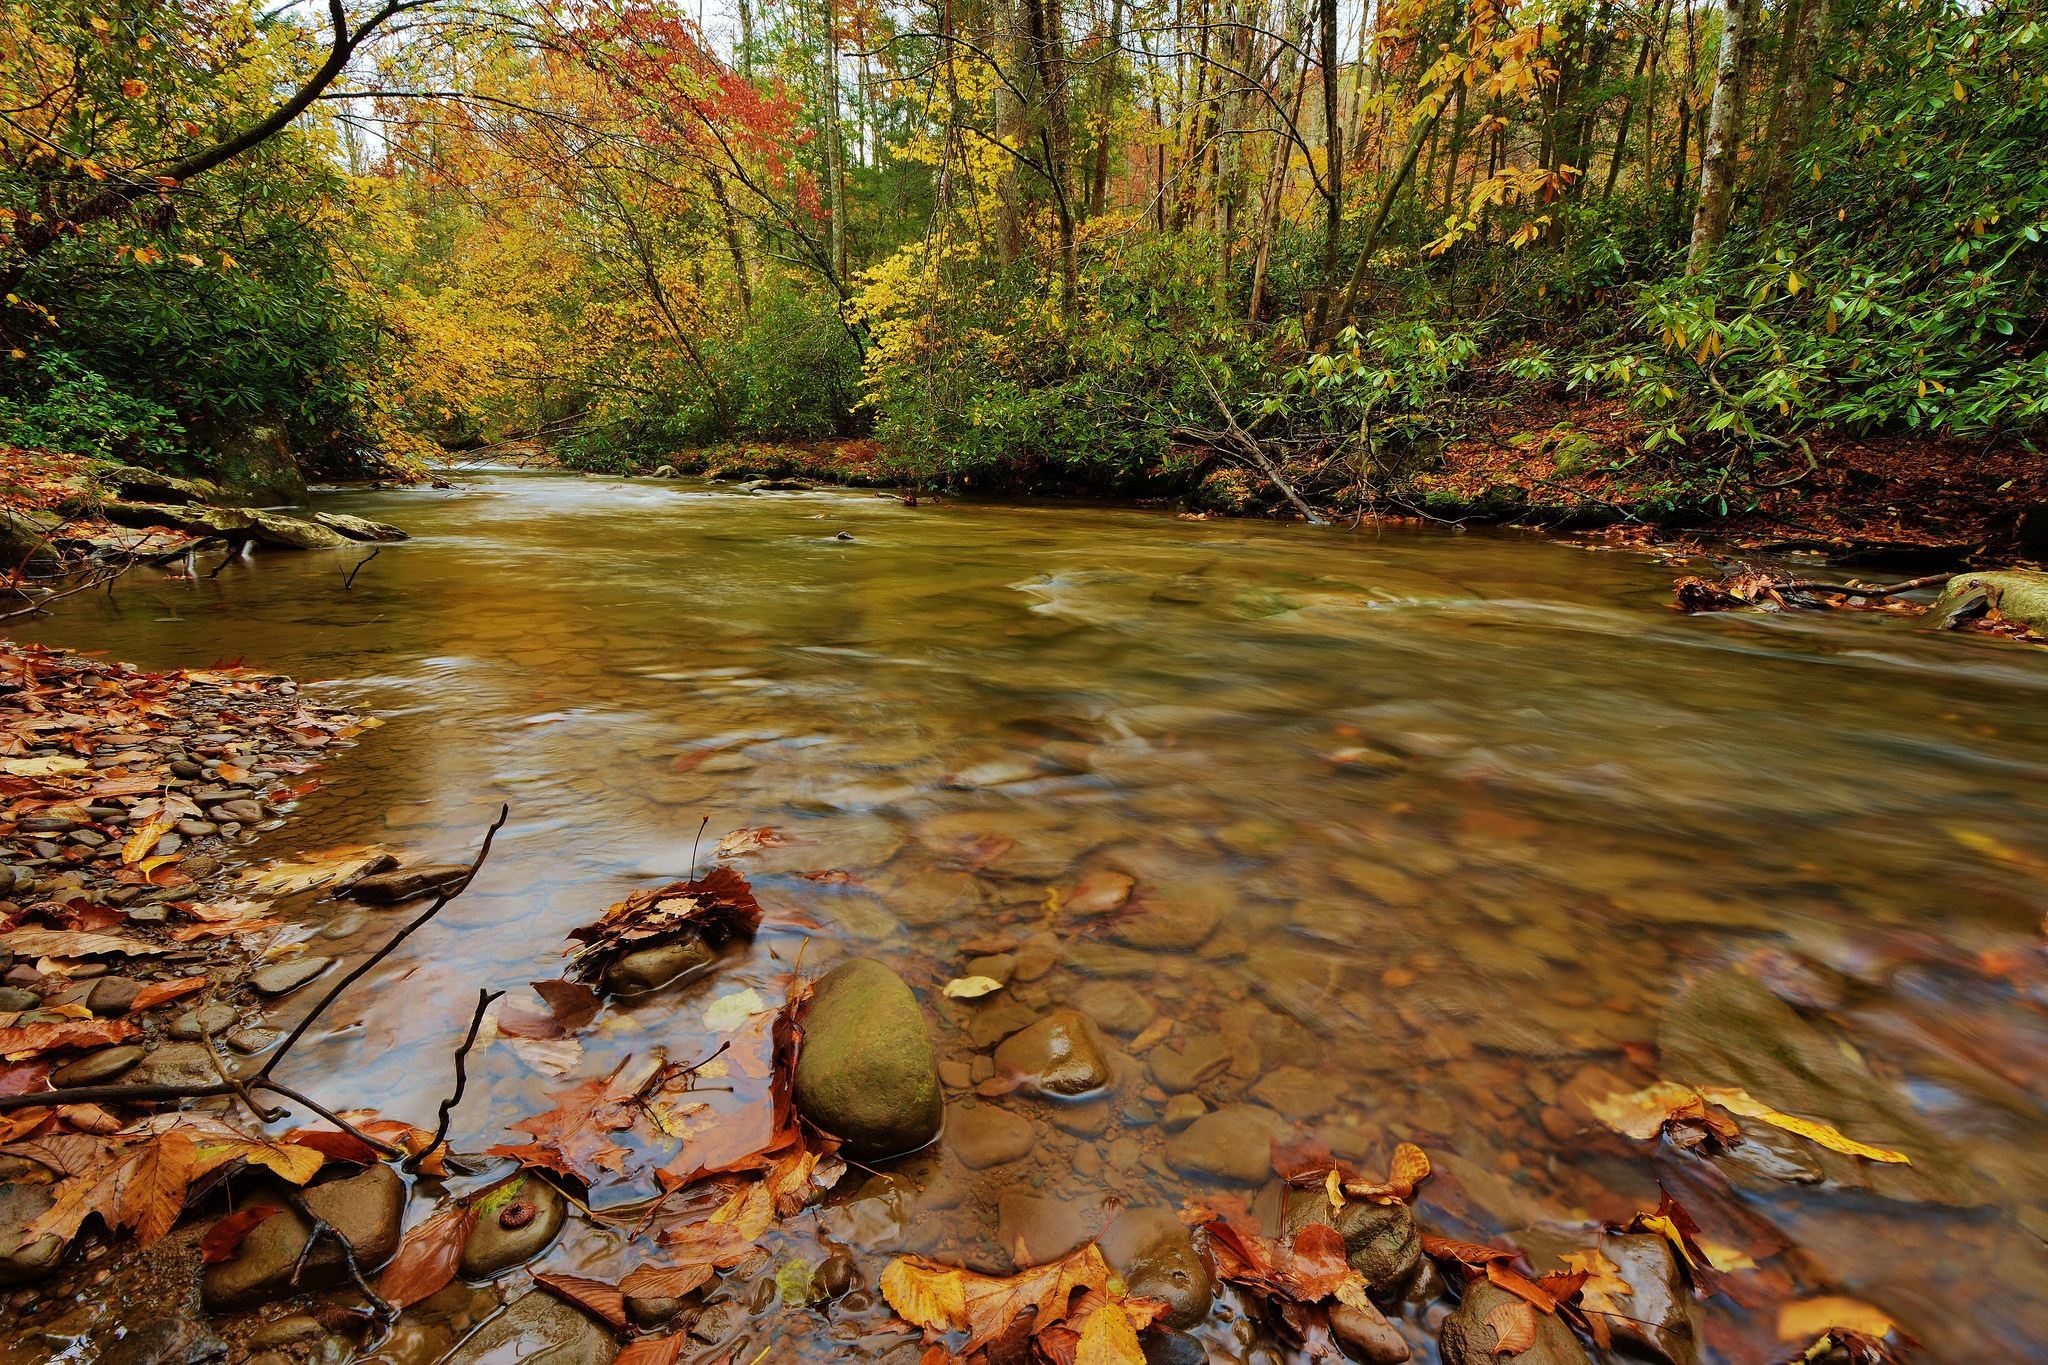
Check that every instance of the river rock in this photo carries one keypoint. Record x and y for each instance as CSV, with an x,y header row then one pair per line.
x,y
1234,1144
1365,1335
204,1022
358,528
649,969
1183,925
868,1074
23,1259
291,533
165,1341
282,978
538,1328
368,1209
1381,1241
2018,595
95,1067
1149,1249
112,995
137,484
174,1064
196,519
492,1246
1038,1230
1117,1006
1164,1346
1061,1054
24,533
1468,1339
1295,1092
986,1136
1202,1057
1660,1321
13,999
1183,1110
408,883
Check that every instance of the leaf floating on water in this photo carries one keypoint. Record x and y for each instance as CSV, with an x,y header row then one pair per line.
x,y
428,1257
654,1350
1804,1318
728,1012
1740,1102
667,1281
600,1298
1514,1328
570,1138
1099,892
572,1003
1643,1113
929,1296
971,987
749,841
1107,1338
549,1056
1473,1254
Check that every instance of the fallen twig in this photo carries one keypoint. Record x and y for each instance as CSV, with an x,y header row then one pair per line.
x,y
483,1002
350,581
93,580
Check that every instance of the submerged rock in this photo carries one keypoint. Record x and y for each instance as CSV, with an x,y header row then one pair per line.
x,y
285,977
1201,1057
868,1073
986,1136
1149,1249
1381,1241
408,883
1365,1335
649,969
1660,1320
165,1341
368,1209
1061,1054
515,1221
538,1328
1037,1230
1234,1144
1468,1339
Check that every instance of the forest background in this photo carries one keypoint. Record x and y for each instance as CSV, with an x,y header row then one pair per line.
x,y
1228,248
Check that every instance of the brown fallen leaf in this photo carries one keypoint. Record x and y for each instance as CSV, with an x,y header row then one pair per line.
x,y
156,992
943,1298
65,943
570,1138
224,1238
572,1003
715,907
654,1350
708,1244
1410,1168
428,1257
25,1040
667,1281
1514,1328
1466,1253
1306,1268
600,1298
1521,1286
143,840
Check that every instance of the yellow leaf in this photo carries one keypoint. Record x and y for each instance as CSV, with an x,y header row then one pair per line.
x,y
295,1163
73,1011
137,848
99,24
1792,282
1333,1186
971,987
134,89
1356,1292
1668,1230
925,1296
92,168
751,1210
1411,1166
1642,1115
1740,1102
1809,1317
227,262
1962,95
1107,1338
1603,1283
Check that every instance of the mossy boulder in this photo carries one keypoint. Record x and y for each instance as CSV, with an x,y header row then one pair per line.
x,y
2018,595
868,1073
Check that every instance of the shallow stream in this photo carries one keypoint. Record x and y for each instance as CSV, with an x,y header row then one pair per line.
x,y
1459,831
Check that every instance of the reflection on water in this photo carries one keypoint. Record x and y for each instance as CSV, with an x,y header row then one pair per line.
x,y
1434,837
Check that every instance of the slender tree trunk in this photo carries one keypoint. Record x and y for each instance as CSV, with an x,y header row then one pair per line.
x,y
1056,137
746,39
835,154
1718,155
1012,126
732,241
1105,107
1795,107
1276,177
1333,142
1628,110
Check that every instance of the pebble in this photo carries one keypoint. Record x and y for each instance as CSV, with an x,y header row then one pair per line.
x,y
164,1341
285,977
97,1067
1234,1144
252,1040
346,923
1061,1054
204,1022
1203,1057
1183,1110
13,998
112,995
986,1136
1117,1006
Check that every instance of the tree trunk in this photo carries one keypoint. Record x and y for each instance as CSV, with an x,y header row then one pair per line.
x,y
732,241
746,39
835,155
1056,138
1628,110
1105,106
1012,125
1333,179
1294,72
1724,135
1795,108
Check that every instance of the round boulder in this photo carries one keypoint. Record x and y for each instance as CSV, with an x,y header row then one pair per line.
x,y
1150,1250
1061,1054
868,1074
1234,1144
515,1220
1381,1241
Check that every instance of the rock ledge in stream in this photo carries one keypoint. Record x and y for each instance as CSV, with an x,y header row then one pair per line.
x,y
868,1073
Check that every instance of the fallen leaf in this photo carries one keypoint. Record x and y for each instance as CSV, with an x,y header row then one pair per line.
x,y
63,943
1643,1113
1740,1102
715,907
49,766
1603,1283
550,1057
1107,1338
572,1003
1514,1328
1410,1168
1467,1253
740,840
728,1012
750,1210
971,987
707,1244
138,846
654,1350
156,992
315,869
1803,1318
600,1298
233,772
1521,1286
570,1138
25,1040
428,1257
926,1295
224,1238
667,1281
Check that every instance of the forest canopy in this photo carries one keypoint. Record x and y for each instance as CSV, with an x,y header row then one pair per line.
x,y
1018,242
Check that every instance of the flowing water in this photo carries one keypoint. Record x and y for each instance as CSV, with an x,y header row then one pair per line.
x,y
1446,836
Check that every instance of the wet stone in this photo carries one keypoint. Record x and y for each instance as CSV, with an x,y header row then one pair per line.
x,y
250,1041
867,1073
1116,1006
1295,1092
1660,1321
536,1209
1043,1229
1061,1054
347,923
1150,1250
996,1018
955,1074
14,999
24,1259
986,1136
112,995
1233,1145
286,1331
204,1022
1468,1339
1365,1335
1381,1241
285,977
648,969
97,1067
1183,1110
538,1328
165,1341
368,1209
1038,955
996,967
1088,1118
1179,927
407,883
1203,1057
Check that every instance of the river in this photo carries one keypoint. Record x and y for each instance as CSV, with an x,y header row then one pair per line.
x,y
1467,829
